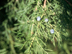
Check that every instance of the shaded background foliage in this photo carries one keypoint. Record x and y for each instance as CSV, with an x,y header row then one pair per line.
x,y
6,45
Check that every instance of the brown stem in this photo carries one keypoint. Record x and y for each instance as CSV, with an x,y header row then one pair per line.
x,y
44,4
68,2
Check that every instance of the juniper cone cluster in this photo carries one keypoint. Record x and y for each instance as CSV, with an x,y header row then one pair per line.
x,y
46,20
36,27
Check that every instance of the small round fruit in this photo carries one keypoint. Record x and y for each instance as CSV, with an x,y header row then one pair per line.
x,y
38,18
52,31
46,20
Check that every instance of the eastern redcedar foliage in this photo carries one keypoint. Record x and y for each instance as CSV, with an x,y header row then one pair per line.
x,y
27,35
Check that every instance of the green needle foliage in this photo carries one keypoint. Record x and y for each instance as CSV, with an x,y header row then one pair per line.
x,y
23,34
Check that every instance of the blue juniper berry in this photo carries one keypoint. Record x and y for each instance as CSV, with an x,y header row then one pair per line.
x,y
46,20
52,31
38,18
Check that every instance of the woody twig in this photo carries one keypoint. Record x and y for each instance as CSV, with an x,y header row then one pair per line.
x,y
68,2
44,4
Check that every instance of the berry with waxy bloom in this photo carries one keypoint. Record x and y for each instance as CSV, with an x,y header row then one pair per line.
x,y
52,31
38,18
46,20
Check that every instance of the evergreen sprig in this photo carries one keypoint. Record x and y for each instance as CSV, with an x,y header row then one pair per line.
x,y
36,23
